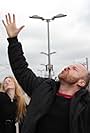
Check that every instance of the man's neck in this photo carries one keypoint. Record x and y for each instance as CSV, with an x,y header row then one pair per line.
x,y
68,89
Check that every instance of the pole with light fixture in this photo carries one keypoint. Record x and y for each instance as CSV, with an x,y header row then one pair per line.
x,y
50,67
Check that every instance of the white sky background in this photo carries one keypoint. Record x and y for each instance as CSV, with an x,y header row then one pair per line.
x,y
69,36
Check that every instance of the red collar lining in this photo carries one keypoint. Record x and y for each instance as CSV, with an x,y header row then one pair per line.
x,y
64,95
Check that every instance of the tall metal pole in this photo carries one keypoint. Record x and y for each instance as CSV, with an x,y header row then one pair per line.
x,y
49,61
87,63
49,66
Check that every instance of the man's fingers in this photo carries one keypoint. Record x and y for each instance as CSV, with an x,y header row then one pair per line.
x,y
13,18
3,23
21,28
9,17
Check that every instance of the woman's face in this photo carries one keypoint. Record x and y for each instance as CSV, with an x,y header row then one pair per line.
x,y
8,84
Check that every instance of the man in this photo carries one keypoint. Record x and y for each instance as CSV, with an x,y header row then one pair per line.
x,y
56,107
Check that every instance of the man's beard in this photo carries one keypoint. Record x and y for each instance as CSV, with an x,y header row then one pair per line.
x,y
67,78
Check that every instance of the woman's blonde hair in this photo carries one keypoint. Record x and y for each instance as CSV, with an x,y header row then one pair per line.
x,y
20,99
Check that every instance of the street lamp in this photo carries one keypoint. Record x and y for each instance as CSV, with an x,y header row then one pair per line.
x,y
49,53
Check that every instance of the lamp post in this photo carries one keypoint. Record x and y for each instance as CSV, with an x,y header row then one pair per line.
x,y
86,62
50,67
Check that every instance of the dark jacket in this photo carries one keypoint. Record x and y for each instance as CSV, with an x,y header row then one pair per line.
x,y
42,92
8,111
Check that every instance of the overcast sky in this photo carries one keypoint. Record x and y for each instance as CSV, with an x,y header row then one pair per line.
x,y
69,36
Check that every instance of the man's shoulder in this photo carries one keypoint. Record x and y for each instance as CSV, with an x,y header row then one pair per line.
x,y
87,98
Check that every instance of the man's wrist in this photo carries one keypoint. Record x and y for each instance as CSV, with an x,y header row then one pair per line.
x,y
12,40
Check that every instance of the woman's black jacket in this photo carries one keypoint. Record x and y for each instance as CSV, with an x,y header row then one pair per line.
x,y
42,92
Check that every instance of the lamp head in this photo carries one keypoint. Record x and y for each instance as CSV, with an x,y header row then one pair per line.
x,y
36,17
59,16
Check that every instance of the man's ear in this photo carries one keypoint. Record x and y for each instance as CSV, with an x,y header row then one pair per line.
x,y
81,83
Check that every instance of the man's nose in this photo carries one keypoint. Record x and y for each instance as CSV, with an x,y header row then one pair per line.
x,y
68,68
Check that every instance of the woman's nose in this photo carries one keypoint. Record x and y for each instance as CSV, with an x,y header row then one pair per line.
x,y
6,82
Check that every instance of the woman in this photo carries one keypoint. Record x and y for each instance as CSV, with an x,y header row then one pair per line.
x,y
12,105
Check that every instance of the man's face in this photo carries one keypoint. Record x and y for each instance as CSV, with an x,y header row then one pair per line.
x,y
73,73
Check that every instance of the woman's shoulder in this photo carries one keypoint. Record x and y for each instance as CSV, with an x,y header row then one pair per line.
x,y
2,93
3,96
